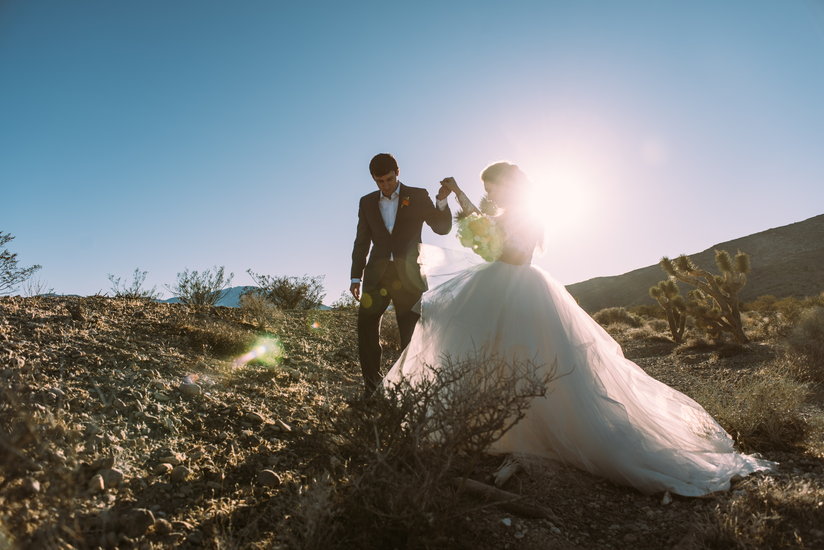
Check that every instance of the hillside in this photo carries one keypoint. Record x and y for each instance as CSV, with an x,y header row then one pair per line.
x,y
786,261
130,424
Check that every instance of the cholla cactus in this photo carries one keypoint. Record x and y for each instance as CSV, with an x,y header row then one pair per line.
x,y
668,297
714,304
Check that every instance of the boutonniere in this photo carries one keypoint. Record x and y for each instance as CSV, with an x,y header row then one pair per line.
x,y
405,201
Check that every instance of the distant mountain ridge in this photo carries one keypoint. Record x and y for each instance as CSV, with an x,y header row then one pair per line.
x,y
786,261
231,298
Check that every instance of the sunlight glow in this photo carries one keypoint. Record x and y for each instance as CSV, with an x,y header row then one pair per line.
x,y
563,196
267,351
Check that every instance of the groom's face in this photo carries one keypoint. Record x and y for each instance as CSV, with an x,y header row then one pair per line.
x,y
387,183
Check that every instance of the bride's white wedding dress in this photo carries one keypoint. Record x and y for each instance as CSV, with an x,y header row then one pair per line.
x,y
605,415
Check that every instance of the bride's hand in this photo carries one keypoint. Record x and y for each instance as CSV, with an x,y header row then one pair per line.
x,y
450,184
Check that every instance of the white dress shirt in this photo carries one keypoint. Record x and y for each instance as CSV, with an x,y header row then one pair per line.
x,y
389,211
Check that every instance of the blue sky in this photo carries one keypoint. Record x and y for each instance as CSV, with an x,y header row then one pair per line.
x,y
172,135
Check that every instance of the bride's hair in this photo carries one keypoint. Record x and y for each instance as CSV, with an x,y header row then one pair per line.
x,y
506,173
518,190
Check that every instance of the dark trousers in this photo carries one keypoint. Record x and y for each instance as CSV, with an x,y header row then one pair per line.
x,y
373,304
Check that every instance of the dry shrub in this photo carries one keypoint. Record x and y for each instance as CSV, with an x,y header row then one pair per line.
x,y
658,325
346,302
806,342
649,310
201,288
616,316
785,313
215,336
763,411
403,452
767,513
264,314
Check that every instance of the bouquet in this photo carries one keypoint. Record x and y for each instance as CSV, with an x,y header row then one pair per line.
x,y
482,234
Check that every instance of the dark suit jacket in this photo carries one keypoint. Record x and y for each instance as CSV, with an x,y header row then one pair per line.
x,y
414,209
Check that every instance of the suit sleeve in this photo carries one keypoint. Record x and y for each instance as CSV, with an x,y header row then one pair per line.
x,y
363,238
439,220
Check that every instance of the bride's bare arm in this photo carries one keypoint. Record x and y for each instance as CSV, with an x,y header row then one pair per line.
x,y
463,201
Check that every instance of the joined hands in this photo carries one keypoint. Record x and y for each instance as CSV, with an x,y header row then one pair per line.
x,y
448,185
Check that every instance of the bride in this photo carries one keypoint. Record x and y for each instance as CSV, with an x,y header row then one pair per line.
x,y
604,415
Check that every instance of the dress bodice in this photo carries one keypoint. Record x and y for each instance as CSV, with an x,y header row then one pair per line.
x,y
521,232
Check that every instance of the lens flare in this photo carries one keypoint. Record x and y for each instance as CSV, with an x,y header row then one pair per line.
x,y
267,351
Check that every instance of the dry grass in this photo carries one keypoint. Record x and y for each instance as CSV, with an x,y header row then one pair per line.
x,y
763,411
213,336
263,313
768,513
806,342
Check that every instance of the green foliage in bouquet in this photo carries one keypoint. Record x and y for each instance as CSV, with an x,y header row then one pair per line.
x,y
482,234
668,297
714,304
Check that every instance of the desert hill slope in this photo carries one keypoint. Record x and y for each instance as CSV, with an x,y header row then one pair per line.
x,y
786,261
137,424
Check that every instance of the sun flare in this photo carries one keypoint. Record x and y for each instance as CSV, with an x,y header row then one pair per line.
x,y
562,197
267,351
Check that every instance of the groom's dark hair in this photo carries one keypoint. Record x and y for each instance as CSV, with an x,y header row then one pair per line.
x,y
381,164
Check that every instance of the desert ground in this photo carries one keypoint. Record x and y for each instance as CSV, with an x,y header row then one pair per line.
x,y
136,424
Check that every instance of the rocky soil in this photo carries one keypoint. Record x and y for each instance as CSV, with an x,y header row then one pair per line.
x,y
133,424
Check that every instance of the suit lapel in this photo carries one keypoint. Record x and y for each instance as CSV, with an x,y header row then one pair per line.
x,y
402,194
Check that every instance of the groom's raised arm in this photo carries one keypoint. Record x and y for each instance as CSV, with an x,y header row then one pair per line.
x,y
363,239
439,219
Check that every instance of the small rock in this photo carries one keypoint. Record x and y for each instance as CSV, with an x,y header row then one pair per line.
x,y
180,473
283,425
666,499
162,526
519,534
31,486
162,469
92,429
555,530
137,522
507,522
103,462
268,478
96,484
172,459
112,477
162,397
57,393
195,537
255,418
189,390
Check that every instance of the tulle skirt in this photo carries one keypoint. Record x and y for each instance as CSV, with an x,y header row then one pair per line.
x,y
601,413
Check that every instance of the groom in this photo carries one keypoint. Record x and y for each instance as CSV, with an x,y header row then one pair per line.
x,y
389,222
